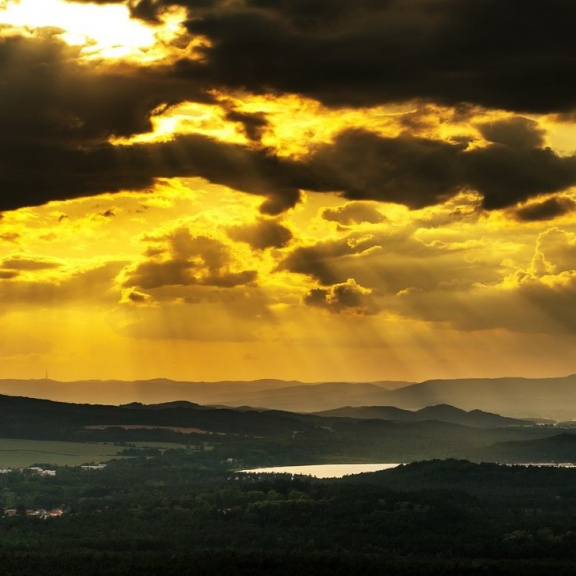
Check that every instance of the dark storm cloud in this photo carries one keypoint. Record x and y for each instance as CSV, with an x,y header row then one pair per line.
x,y
253,124
517,166
546,210
517,132
416,172
513,55
34,175
419,172
48,97
57,116
506,175
360,165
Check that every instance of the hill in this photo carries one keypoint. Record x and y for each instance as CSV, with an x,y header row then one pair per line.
x,y
557,449
33,418
441,412
518,397
495,481
262,436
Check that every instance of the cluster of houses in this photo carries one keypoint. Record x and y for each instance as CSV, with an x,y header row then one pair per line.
x,y
40,471
39,513
93,466
34,469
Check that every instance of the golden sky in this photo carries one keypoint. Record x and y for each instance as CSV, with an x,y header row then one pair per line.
x,y
298,189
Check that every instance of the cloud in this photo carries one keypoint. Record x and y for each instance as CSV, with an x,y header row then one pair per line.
x,y
22,263
323,261
513,55
516,132
429,252
534,299
354,213
253,124
8,274
412,171
11,237
545,210
262,234
555,252
136,298
183,259
49,95
505,175
347,297
419,172
91,283
59,115
529,305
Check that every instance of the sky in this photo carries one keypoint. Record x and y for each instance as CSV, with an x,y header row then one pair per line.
x,y
298,189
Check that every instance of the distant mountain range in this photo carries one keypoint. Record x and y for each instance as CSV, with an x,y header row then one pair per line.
x,y
441,413
269,393
546,398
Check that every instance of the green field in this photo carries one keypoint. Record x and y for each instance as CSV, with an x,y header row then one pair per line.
x,y
15,453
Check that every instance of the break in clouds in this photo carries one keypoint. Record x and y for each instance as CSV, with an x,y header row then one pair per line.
x,y
59,114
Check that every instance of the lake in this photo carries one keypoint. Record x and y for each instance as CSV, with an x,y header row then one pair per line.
x,y
323,470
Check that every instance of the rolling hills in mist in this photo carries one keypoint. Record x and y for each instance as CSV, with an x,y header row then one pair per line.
x,y
553,398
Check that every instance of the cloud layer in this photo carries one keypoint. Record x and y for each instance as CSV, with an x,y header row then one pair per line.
x,y
59,114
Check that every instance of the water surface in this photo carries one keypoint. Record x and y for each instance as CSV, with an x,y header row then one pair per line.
x,y
324,470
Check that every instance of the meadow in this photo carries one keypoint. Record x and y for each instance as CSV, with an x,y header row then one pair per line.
x,y
16,453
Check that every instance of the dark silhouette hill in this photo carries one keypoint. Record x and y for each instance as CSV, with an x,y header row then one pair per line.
x,y
280,435
500,481
27,417
556,449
